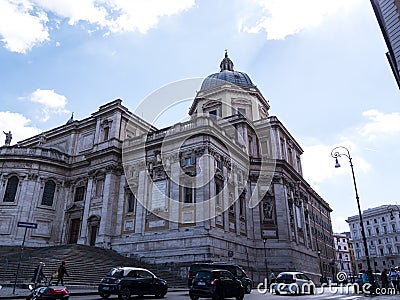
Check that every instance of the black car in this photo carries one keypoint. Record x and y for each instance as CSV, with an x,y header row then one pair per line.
x,y
127,281
236,270
216,284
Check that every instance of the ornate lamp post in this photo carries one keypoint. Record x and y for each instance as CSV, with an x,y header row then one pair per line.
x,y
335,154
319,262
266,265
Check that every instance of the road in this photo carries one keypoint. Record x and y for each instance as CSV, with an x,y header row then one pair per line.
x,y
255,295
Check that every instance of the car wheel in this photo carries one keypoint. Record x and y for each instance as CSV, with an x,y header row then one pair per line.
x,y
161,293
194,297
277,292
248,288
312,290
104,295
125,294
240,296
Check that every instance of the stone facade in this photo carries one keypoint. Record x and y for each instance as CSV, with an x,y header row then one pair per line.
x,y
382,227
343,255
222,188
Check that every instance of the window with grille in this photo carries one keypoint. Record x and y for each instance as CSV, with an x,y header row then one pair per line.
x,y
48,193
11,189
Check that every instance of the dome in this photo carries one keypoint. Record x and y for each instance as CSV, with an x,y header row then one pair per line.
x,y
227,74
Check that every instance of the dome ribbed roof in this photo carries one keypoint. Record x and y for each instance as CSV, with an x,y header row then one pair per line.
x,y
227,74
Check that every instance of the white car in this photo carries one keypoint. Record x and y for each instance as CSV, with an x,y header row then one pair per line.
x,y
293,283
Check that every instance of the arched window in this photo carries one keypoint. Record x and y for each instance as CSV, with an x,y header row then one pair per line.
x,y
48,193
11,189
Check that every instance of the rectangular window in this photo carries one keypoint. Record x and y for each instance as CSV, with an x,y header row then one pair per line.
x,y
48,193
131,202
106,133
99,187
188,194
213,113
241,111
219,164
79,194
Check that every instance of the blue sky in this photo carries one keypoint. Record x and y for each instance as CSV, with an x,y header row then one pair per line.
x,y
320,63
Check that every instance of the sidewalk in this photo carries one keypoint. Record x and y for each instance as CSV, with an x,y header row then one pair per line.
x,y
74,290
21,292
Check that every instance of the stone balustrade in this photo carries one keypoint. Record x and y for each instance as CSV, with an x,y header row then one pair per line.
x,y
35,152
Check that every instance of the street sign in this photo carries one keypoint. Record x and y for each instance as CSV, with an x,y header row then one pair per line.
x,y
27,225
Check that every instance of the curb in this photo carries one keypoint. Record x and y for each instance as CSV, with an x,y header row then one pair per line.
x,y
79,293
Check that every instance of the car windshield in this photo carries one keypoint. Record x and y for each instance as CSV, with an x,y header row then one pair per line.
x,y
285,276
196,267
203,275
115,272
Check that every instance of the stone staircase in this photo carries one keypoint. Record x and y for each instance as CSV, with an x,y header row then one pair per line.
x,y
86,265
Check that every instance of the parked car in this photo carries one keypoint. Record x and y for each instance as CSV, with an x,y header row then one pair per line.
x,y
216,284
294,283
236,270
127,281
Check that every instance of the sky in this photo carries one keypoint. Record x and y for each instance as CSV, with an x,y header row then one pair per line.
x,y
320,63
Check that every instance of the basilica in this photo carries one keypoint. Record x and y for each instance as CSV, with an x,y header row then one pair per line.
x,y
226,185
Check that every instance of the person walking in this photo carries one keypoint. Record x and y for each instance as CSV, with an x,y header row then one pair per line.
x,y
38,274
62,270
384,279
393,278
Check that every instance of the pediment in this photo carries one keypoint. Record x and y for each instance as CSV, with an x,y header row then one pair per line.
x,y
75,207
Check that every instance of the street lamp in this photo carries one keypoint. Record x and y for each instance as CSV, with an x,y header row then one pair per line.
x,y
335,154
319,261
266,266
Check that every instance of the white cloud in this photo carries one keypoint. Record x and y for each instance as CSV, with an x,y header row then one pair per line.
x,y
144,15
51,102
319,165
18,125
23,23
281,18
380,123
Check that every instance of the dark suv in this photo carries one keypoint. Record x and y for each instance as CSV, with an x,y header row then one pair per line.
x,y
216,284
236,270
127,281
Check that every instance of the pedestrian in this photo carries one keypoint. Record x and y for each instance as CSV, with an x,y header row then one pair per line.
x,y
384,279
393,278
398,278
271,280
364,277
62,270
272,277
38,274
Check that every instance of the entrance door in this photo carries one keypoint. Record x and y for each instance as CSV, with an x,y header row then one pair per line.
x,y
74,231
93,235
